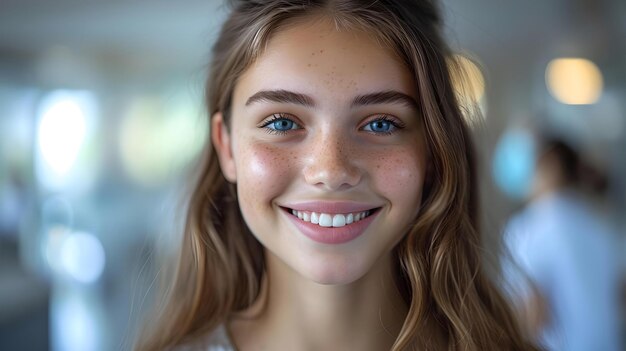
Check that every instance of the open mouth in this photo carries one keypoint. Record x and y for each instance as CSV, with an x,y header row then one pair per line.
x,y
327,220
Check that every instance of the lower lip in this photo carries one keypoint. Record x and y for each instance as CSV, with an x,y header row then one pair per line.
x,y
332,235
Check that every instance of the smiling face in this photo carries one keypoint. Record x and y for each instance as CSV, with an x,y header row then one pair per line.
x,y
325,128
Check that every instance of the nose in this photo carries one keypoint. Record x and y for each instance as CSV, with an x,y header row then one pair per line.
x,y
332,163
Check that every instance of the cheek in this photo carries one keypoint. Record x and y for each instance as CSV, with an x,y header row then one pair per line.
x,y
263,172
400,175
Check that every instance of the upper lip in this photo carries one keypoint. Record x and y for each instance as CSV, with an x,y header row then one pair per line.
x,y
330,206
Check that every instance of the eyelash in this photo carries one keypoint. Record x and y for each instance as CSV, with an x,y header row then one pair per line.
x,y
277,117
395,123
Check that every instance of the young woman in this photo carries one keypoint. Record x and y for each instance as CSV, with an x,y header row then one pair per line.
x,y
337,207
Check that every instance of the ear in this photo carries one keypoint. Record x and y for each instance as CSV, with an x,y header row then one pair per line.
x,y
220,137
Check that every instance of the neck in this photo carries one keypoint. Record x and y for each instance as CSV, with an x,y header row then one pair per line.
x,y
294,313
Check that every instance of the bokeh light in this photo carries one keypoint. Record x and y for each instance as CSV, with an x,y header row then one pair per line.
x,y
514,163
158,139
82,257
574,81
54,237
469,83
62,131
76,323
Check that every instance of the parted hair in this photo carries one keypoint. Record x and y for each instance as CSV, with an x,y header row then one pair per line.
x,y
452,303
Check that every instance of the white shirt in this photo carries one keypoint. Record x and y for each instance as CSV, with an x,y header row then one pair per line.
x,y
218,340
573,257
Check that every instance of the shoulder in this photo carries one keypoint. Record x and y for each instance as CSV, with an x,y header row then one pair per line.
x,y
217,340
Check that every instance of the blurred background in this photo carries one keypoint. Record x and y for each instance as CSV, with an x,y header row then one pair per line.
x,y
101,119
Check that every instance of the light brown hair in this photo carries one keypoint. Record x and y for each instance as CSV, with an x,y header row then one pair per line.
x,y
452,304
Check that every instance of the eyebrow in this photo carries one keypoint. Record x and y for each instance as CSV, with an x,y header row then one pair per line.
x,y
281,96
384,97
290,97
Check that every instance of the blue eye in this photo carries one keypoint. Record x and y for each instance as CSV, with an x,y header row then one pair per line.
x,y
380,126
282,124
279,123
383,125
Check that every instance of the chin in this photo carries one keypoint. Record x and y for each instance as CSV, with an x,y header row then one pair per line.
x,y
334,271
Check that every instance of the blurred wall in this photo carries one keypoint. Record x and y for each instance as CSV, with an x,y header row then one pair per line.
x,y
101,120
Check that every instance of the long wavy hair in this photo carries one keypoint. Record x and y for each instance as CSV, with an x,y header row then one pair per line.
x,y
452,303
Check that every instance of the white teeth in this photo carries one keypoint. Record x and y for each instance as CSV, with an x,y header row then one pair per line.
x,y
339,220
330,220
325,220
314,218
349,218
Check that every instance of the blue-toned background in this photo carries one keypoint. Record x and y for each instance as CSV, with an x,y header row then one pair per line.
x,y
101,121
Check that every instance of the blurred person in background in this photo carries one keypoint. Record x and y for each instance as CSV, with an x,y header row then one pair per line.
x,y
566,272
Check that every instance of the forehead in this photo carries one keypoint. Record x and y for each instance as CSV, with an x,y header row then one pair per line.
x,y
316,58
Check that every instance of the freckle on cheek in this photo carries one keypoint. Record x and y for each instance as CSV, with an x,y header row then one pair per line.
x,y
266,161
